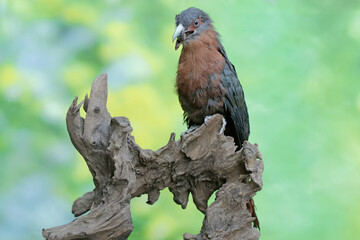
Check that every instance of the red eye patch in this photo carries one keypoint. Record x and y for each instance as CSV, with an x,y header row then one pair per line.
x,y
197,23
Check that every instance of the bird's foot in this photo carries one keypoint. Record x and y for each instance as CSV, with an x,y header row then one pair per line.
x,y
207,118
191,128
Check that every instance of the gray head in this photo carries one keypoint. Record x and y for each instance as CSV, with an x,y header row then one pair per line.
x,y
190,23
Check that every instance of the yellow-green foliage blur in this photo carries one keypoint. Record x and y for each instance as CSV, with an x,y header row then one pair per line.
x,y
298,62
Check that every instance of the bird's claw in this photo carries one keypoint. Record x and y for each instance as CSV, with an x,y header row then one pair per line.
x,y
191,128
207,118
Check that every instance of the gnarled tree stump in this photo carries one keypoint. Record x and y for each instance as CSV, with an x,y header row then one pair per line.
x,y
200,163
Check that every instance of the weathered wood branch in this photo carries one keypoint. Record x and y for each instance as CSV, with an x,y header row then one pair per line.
x,y
200,163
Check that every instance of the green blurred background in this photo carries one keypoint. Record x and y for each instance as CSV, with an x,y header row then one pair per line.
x,y
299,64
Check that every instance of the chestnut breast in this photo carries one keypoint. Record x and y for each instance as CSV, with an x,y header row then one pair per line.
x,y
198,80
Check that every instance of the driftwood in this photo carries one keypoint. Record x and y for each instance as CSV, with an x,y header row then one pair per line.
x,y
200,163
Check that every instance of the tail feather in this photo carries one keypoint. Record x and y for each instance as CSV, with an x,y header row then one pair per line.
x,y
251,208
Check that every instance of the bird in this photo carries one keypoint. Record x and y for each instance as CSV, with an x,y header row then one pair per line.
x,y
207,82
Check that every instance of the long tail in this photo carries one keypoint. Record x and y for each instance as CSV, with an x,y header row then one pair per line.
x,y
251,208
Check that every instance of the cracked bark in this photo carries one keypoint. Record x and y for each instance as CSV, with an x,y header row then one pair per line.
x,y
200,163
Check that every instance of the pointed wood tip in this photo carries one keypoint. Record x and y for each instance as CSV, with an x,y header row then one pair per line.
x,y
100,80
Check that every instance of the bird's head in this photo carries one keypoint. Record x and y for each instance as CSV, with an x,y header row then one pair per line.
x,y
189,24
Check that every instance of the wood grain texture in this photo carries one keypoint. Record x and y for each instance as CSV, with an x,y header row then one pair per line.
x,y
200,163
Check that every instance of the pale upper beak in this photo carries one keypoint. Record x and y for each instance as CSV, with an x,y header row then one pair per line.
x,y
178,34
178,31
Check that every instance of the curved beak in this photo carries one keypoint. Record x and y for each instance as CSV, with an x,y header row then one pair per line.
x,y
178,34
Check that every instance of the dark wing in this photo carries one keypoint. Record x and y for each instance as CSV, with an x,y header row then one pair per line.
x,y
236,113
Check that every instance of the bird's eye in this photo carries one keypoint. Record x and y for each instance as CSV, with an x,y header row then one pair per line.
x,y
196,23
